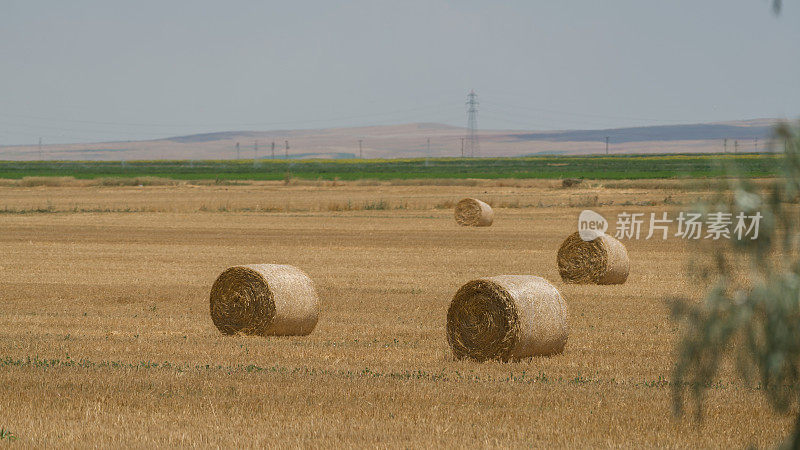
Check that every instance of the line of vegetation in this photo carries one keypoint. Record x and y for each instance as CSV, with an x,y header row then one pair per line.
x,y
587,167
443,375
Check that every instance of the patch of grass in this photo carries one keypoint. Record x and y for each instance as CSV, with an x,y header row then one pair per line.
x,y
45,181
584,201
515,203
569,182
136,181
339,206
446,204
379,205
7,435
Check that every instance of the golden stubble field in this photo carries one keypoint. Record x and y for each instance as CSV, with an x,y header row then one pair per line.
x,y
106,339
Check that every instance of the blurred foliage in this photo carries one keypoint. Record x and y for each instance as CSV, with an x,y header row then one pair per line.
x,y
751,312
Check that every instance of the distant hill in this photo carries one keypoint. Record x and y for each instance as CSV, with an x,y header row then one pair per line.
x,y
411,140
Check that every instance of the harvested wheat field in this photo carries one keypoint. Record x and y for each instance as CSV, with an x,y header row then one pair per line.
x,y
106,337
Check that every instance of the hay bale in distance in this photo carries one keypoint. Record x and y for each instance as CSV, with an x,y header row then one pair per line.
x,y
264,300
472,212
507,317
602,260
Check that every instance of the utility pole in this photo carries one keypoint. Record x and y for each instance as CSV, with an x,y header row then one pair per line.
x,y
237,150
472,124
755,145
273,149
360,151
725,145
606,145
735,146
428,154
255,153
287,149
41,157
462,147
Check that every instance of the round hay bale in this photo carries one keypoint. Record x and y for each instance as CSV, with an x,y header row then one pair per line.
x,y
602,260
472,212
264,300
507,317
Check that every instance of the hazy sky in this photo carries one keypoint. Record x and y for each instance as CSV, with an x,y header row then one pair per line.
x,y
100,70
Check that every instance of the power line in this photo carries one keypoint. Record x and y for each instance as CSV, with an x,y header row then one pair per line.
x,y
543,121
597,116
518,95
232,124
71,129
528,125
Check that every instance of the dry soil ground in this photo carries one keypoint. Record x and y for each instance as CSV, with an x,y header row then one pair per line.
x,y
105,335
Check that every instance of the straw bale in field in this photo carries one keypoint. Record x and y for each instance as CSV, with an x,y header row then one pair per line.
x,y
507,317
472,212
264,299
602,260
